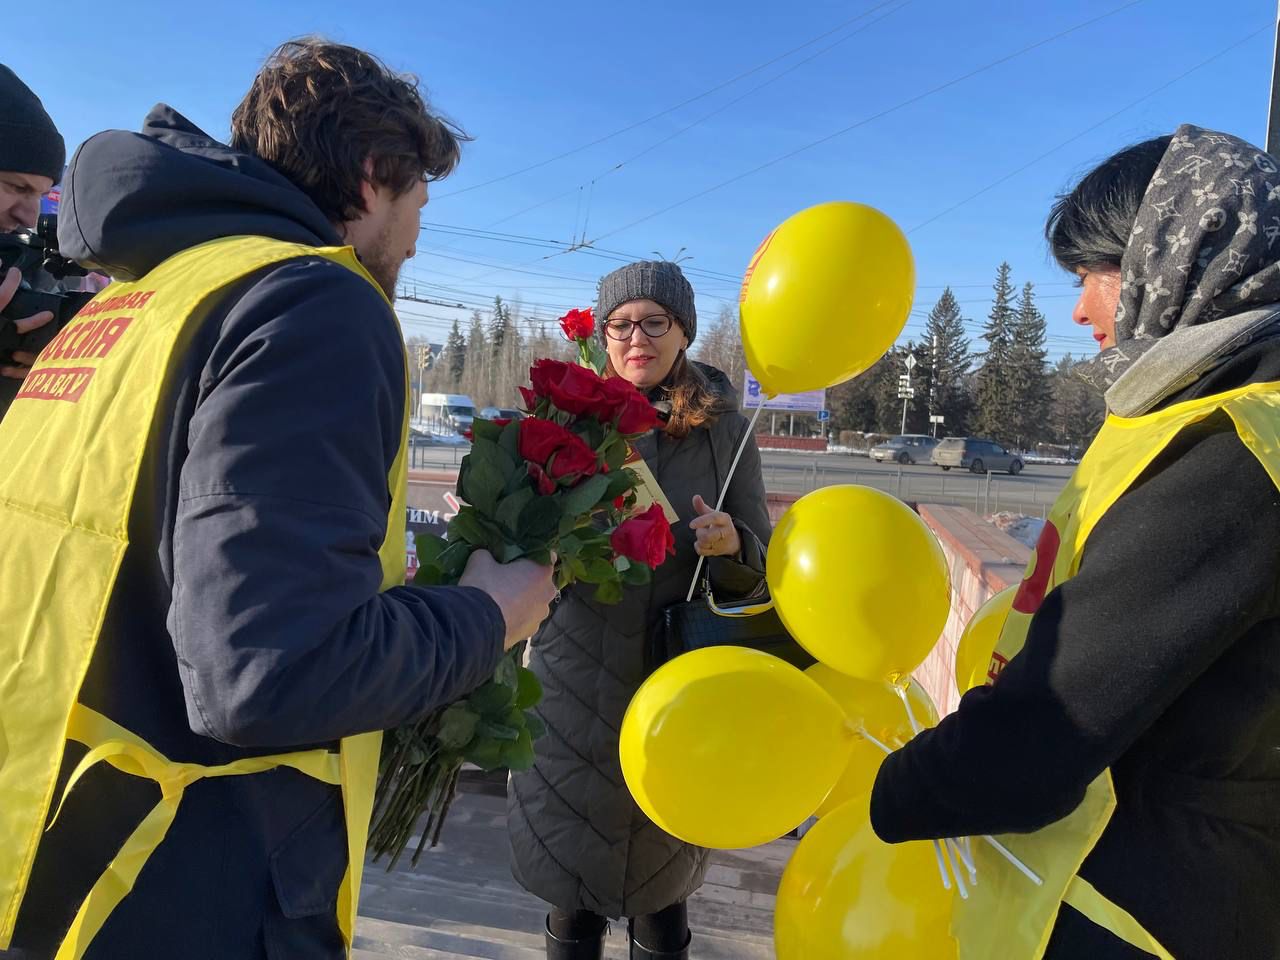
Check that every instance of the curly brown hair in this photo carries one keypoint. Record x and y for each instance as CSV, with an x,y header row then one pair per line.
x,y
318,110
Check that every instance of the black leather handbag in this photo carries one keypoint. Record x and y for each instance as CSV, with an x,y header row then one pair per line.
x,y
700,623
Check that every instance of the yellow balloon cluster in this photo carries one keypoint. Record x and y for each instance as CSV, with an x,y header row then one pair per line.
x,y
728,747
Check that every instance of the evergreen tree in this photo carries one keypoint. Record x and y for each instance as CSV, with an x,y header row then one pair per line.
x,y
946,365
455,350
1077,409
1028,371
475,380
996,414
499,326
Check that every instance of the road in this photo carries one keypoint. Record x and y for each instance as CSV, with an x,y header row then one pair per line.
x,y
1032,492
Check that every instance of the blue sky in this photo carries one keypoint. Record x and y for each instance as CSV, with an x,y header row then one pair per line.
x,y
532,81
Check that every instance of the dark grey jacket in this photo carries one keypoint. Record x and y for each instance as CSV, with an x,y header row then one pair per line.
x,y
246,618
578,839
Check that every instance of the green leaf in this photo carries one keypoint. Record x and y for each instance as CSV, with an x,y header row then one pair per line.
x,y
535,725
636,575
510,552
583,498
519,755
492,700
509,510
510,441
621,564
454,560
430,547
529,689
487,471
467,528
616,455
486,754
619,483
539,520
610,592
508,674
457,727
428,575
599,570
485,430
499,731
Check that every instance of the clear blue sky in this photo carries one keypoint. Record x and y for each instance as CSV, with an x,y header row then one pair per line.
x,y
531,81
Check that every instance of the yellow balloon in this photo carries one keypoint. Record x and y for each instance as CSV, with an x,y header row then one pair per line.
x,y
845,895
872,705
859,581
826,294
727,747
973,652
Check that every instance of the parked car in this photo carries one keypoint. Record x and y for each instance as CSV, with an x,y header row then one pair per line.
x,y
500,413
908,448
976,455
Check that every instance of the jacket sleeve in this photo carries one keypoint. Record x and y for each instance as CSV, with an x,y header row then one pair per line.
x,y
281,633
1173,574
746,502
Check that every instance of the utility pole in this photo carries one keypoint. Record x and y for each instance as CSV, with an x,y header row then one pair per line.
x,y
905,390
1273,116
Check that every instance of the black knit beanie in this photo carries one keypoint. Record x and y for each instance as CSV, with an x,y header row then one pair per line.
x,y
29,142
658,280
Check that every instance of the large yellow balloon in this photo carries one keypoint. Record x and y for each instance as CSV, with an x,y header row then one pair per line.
x,y
872,705
973,652
727,747
859,581
826,294
845,895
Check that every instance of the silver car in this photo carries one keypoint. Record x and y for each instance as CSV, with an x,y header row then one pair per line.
x,y
908,448
976,455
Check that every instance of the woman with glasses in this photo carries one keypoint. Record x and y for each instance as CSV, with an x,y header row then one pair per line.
x,y
578,839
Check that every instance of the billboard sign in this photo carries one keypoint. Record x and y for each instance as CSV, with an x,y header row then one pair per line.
x,y
810,402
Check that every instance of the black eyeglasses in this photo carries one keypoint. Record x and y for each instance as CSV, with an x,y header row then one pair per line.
x,y
652,327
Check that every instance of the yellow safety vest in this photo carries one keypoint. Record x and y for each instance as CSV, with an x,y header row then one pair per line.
x,y
1006,916
71,447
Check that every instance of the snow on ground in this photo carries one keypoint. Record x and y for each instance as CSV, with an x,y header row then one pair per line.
x,y
1026,530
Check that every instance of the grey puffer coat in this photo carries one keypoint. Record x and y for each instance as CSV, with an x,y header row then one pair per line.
x,y
578,839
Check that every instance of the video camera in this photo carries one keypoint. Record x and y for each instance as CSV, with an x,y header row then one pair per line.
x,y
44,270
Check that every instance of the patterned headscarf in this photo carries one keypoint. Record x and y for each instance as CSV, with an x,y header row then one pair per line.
x,y
1201,248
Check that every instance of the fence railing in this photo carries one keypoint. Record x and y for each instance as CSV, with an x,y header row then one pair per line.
x,y
983,493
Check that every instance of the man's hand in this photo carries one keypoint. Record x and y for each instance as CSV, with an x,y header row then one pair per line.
x,y
22,361
523,591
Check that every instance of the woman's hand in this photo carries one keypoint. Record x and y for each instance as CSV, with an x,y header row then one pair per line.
x,y
717,536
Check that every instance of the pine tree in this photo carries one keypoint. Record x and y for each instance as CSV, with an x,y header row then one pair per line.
x,y
455,350
946,365
475,381
499,326
1028,372
1077,409
996,415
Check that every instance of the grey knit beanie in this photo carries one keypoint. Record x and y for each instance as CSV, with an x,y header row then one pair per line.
x,y
29,142
658,280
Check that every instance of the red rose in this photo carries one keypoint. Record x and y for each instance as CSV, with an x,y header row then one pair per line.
x,y
637,417
573,461
645,538
539,439
578,324
620,501
572,388
530,399
546,486
557,452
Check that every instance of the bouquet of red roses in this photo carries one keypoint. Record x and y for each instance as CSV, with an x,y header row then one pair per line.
x,y
552,484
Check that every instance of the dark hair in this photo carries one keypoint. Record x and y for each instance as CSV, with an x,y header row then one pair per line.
x,y
317,110
1090,226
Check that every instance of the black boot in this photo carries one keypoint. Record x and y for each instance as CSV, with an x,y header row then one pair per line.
x,y
586,948
640,952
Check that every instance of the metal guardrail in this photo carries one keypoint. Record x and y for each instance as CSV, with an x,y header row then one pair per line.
x,y
983,493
